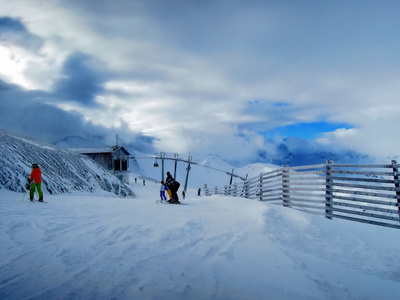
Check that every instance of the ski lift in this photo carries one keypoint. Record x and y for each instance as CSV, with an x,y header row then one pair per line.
x,y
156,163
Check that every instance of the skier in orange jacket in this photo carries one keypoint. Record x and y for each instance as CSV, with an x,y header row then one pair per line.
x,y
36,182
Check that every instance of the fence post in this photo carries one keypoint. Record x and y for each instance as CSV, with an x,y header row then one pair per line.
x,y
216,190
261,187
246,189
285,186
396,183
328,190
235,190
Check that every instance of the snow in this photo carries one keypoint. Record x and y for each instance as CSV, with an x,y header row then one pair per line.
x,y
100,246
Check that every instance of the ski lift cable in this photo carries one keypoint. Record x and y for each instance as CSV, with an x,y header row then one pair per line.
x,y
191,162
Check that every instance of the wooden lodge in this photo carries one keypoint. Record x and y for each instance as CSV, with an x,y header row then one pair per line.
x,y
113,158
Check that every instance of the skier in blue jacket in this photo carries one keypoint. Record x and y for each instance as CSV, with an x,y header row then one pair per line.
x,y
163,188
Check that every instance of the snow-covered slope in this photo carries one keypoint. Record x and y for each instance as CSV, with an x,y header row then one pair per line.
x,y
62,170
211,248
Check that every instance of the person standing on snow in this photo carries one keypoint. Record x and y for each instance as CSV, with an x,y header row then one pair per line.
x,y
162,191
173,186
169,193
36,182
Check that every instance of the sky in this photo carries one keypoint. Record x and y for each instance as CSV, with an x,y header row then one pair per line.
x,y
222,77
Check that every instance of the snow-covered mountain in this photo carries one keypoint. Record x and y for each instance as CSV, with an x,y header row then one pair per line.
x,y
62,170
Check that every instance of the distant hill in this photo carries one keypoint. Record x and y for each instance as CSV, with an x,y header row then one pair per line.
x,y
62,170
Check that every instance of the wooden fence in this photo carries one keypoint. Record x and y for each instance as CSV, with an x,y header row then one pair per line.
x,y
362,193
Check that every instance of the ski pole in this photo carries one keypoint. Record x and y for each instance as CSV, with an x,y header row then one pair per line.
x,y
24,195
27,187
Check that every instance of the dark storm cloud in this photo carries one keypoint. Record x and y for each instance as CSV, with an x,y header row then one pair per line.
x,y
13,31
25,111
81,80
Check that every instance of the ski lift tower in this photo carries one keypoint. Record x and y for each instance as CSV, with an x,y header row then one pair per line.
x,y
187,173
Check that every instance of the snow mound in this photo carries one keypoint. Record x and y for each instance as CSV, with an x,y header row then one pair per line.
x,y
103,247
62,170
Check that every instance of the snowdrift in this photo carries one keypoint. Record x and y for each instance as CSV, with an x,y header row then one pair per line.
x,y
62,170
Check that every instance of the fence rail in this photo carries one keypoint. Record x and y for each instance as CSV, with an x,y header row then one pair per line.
x,y
363,193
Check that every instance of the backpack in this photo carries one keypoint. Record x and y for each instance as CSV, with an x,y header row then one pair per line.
x,y
176,185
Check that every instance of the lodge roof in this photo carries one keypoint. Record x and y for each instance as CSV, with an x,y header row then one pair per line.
x,y
99,150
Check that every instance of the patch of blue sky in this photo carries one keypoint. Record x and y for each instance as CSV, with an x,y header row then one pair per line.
x,y
271,103
281,104
307,131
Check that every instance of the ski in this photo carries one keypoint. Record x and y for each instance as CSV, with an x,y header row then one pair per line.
x,y
36,201
166,202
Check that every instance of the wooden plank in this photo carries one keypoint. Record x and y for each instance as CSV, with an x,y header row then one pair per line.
x,y
313,189
365,214
374,180
366,207
372,201
360,166
270,200
277,171
379,195
367,187
272,184
366,221
302,194
308,167
308,183
308,200
271,176
362,173
303,205
306,173
266,192
305,178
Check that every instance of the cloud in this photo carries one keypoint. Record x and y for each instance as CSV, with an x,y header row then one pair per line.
x,y
35,114
82,79
14,32
24,111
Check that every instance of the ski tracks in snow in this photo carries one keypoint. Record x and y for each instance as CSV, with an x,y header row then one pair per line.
x,y
82,247
99,248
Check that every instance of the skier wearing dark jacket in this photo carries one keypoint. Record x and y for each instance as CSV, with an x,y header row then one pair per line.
x,y
36,182
173,186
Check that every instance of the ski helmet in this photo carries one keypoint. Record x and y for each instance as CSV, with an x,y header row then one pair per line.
x,y
35,165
